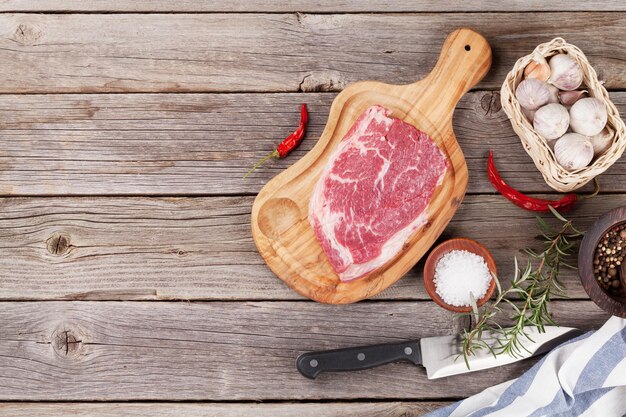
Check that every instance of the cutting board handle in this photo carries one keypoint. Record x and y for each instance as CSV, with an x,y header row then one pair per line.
x,y
464,60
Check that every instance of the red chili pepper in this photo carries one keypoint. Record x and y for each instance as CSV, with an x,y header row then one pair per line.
x,y
289,143
527,202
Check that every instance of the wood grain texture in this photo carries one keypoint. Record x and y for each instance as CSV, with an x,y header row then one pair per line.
x,y
225,351
204,143
280,224
143,248
201,248
274,52
332,409
318,6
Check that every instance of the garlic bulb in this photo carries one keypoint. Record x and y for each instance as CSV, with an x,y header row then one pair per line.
x,y
568,98
588,116
537,68
532,93
551,121
573,151
601,142
566,72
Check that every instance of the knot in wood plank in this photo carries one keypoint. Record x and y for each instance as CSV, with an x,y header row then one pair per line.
x,y
26,34
317,81
58,244
67,341
490,103
180,252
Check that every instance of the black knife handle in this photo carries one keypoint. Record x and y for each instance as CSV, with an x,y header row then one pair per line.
x,y
311,364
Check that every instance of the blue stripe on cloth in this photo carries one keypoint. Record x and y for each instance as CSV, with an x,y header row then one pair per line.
x,y
561,400
584,400
603,361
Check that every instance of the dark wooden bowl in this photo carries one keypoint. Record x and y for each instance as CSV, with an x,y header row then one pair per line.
x,y
608,302
445,247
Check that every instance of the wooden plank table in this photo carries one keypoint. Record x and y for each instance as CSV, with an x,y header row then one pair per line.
x,y
129,282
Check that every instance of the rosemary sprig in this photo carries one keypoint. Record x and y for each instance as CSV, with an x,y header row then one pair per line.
x,y
534,287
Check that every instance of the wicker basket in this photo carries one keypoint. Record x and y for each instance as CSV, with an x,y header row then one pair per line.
x,y
554,175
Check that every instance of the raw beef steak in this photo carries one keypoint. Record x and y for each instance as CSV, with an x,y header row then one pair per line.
x,y
374,192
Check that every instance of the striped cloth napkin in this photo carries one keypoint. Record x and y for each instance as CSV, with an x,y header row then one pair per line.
x,y
585,377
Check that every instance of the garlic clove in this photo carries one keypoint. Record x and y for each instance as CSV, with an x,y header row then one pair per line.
x,y
532,93
573,151
566,72
568,98
554,94
537,68
601,142
551,121
588,116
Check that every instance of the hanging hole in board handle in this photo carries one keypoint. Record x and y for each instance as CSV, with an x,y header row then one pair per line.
x,y
468,48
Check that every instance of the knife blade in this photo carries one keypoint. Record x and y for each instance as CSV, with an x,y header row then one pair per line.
x,y
441,355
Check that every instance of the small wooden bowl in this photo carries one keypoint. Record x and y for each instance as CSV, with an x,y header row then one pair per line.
x,y
610,303
445,247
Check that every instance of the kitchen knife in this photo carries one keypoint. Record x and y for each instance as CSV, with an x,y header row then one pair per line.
x,y
439,355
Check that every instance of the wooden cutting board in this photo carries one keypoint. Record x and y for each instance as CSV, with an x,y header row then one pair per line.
x,y
280,225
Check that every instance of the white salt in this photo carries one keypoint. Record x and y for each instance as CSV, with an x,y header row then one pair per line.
x,y
458,273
